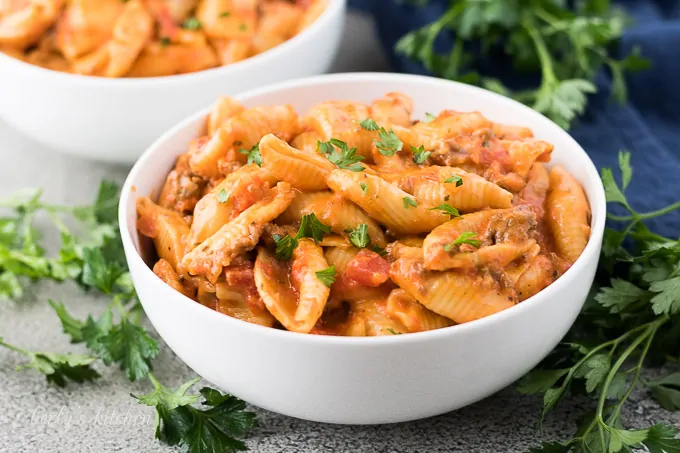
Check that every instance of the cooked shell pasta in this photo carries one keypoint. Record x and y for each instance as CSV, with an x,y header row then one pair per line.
x,y
304,171
568,214
295,297
239,235
150,38
385,202
260,222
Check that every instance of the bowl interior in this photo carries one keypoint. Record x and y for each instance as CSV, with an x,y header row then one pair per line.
x,y
429,95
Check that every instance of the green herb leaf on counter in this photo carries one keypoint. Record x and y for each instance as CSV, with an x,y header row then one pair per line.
x,y
199,430
254,155
57,368
631,320
340,154
327,276
566,44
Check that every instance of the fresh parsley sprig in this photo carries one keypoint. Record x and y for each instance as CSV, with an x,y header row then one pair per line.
x,y
95,260
254,155
387,142
57,368
339,153
631,321
310,227
213,429
466,237
566,47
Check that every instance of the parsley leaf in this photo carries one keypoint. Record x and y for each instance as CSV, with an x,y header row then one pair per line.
x,y
392,331
57,368
131,346
192,23
223,196
466,237
364,187
454,179
447,209
339,153
254,155
388,143
408,201
420,155
327,276
359,236
284,246
429,117
311,227
667,299
666,391
369,125
199,430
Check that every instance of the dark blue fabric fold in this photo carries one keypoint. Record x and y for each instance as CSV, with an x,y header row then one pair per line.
x,y
648,125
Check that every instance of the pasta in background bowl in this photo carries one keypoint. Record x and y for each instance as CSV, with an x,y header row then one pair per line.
x,y
114,118
444,268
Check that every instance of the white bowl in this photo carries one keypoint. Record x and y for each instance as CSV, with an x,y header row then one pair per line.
x,y
378,379
116,119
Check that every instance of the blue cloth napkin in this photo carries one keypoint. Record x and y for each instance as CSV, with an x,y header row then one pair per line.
x,y
648,126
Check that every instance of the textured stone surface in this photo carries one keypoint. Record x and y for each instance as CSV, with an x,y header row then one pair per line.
x,y
101,416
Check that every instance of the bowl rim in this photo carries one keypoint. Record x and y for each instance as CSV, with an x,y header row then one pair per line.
x,y
334,8
597,205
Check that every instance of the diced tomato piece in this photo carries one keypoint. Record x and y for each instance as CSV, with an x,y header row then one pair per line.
x,y
368,268
249,195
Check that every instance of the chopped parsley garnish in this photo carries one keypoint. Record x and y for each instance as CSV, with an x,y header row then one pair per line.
x,y
165,41
447,209
254,156
327,276
225,14
369,125
192,23
359,237
379,250
466,237
364,187
408,201
243,27
284,246
223,196
339,153
429,118
311,227
419,154
455,179
392,331
388,143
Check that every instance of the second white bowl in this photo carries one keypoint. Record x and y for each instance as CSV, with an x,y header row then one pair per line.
x,y
376,379
115,120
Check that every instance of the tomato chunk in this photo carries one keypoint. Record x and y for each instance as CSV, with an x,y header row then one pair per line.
x,y
368,268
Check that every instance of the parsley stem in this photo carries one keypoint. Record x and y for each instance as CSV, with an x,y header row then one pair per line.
x,y
636,377
646,215
544,57
14,348
650,330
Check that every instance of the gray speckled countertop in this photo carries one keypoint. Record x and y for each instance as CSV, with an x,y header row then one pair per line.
x,y
101,416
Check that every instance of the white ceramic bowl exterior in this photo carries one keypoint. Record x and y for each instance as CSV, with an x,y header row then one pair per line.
x,y
378,379
117,119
